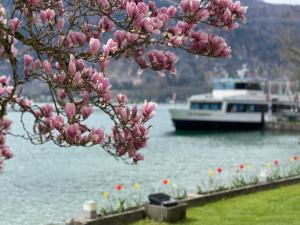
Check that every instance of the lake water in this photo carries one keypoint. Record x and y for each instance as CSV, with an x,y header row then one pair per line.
x,y
47,184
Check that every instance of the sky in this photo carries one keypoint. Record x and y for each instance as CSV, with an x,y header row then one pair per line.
x,y
294,2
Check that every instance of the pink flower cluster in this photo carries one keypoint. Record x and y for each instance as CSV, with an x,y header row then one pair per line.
x,y
209,45
129,135
5,88
5,152
76,38
70,130
226,12
69,48
135,134
12,25
47,16
222,13
147,17
161,60
194,10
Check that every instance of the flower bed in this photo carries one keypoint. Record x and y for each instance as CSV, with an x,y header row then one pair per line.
x,y
245,181
244,175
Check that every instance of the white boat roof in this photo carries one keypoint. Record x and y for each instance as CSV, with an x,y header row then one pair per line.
x,y
252,97
230,95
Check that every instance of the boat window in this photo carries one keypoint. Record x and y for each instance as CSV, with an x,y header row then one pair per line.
x,y
247,108
278,108
230,85
223,86
247,86
194,105
214,106
240,86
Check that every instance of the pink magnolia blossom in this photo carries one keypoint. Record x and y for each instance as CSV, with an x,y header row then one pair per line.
x,y
5,124
103,62
94,46
3,80
37,64
24,102
73,133
2,90
103,3
70,110
97,136
14,24
138,157
57,122
110,47
106,24
27,60
37,113
60,78
172,11
148,109
47,15
77,81
160,60
80,65
60,24
85,96
47,67
76,38
61,94
86,111
132,10
122,98
7,154
72,68
10,89
34,2
47,110
123,113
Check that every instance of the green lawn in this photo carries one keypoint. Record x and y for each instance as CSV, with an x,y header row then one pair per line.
x,y
276,207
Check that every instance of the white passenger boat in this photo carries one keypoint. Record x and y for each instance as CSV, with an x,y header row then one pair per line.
x,y
233,104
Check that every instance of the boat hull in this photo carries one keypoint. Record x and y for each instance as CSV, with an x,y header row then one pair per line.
x,y
215,125
198,120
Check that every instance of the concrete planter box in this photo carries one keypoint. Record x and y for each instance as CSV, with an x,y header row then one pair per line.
x,y
115,219
166,214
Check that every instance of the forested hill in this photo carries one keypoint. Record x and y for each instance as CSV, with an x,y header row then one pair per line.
x,y
256,44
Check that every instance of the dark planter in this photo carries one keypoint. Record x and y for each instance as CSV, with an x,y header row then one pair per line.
x,y
166,214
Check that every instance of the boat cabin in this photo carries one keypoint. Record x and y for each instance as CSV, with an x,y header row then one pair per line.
x,y
231,84
229,107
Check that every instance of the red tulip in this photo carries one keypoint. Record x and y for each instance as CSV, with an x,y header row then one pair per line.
x,y
166,181
119,187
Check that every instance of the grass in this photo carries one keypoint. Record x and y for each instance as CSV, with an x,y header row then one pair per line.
x,y
276,207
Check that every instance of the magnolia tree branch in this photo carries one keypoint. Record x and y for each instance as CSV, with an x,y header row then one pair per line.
x,y
69,45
